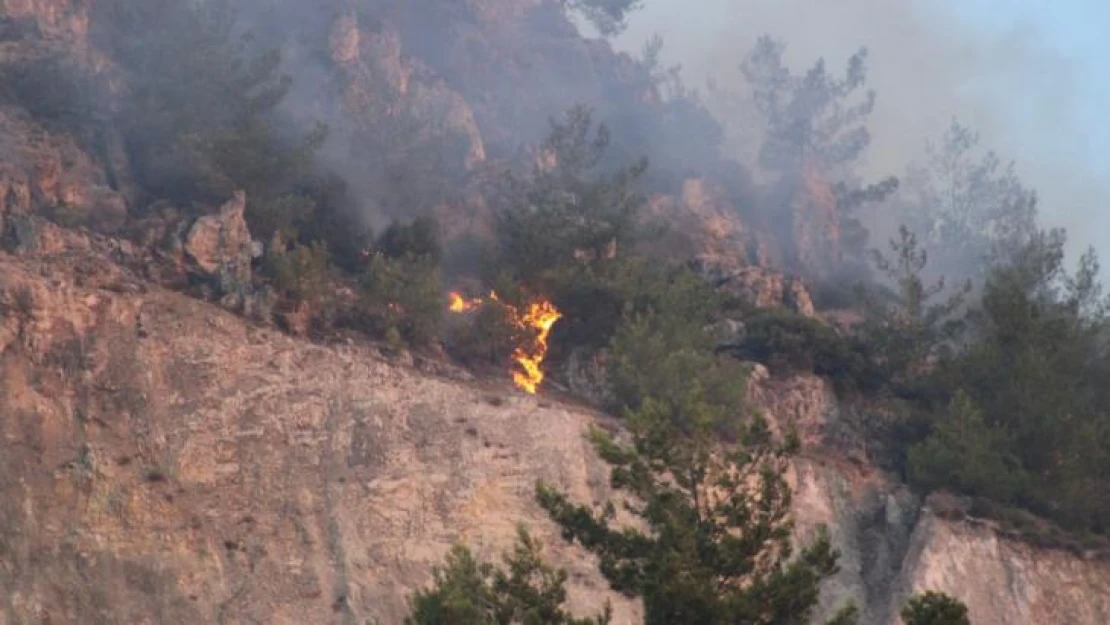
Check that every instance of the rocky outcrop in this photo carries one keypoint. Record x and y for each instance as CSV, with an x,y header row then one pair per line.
x,y
382,80
49,173
220,245
703,223
587,376
757,287
1003,581
892,545
163,460
55,19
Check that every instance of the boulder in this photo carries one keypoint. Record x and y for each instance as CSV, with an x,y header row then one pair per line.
x,y
220,245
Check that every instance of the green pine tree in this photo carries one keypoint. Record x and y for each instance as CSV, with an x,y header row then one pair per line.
x,y
469,592
716,544
935,608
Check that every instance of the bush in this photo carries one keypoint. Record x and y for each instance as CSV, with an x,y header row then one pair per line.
x,y
468,592
594,299
302,274
666,353
419,238
935,608
403,296
786,340
486,338
402,288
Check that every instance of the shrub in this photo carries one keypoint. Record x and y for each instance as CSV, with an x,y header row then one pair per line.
x,y
302,274
786,340
419,238
668,355
468,592
404,295
402,288
595,298
485,338
935,608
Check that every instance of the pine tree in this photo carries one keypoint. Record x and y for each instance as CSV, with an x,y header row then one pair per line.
x,y
526,592
935,608
903,324
967,204
568,209
199,117
608,16
716,546
812,122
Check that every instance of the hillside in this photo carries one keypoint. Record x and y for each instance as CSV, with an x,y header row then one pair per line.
x,y
231,391
170,462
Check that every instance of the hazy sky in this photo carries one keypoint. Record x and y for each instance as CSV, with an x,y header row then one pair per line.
x,y
1033,76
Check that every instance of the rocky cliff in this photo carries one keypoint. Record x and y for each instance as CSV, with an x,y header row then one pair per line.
x,y
168,462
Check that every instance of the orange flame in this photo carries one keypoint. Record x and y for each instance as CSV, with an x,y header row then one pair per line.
x,y
460,304
539,317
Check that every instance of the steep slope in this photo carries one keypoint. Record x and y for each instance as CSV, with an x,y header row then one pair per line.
x,y
168,462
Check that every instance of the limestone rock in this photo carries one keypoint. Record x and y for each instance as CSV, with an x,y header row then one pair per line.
x,y
221,243
1003,581
383,86
50,174
759,287
798,299
164,460
815,227
701,222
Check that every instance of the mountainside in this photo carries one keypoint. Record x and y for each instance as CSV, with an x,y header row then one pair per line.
x,y
176,450
168,462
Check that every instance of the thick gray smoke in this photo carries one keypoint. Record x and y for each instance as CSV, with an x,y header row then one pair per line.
x,y
926,68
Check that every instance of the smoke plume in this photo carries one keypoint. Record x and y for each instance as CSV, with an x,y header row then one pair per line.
x,y
1010,83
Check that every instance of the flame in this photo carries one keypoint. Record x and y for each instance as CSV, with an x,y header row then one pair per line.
x,y
460,304
539,317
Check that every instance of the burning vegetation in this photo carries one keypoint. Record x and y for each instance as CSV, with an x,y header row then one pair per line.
x,y
533,321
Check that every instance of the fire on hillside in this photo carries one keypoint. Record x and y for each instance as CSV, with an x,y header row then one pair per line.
x,y
535,320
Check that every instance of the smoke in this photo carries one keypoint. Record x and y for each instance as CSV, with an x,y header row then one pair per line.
x,y
927,63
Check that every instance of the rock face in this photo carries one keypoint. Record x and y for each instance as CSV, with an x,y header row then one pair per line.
x,y
167,462
221,246
1004,582
47,172
892,546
